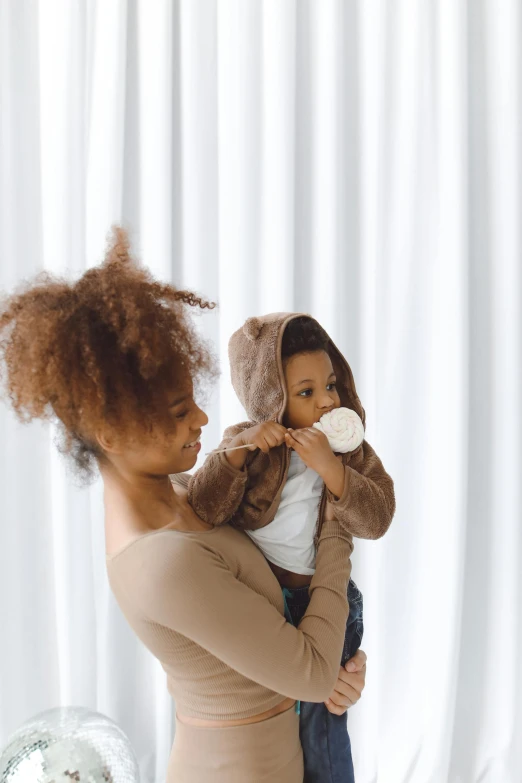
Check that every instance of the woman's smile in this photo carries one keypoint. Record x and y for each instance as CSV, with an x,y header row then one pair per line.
x,y
194,445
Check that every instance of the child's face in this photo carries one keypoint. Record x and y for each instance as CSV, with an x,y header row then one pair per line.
x,y
311,389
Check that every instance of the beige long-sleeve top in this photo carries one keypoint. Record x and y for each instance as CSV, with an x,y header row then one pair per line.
x,y
209,608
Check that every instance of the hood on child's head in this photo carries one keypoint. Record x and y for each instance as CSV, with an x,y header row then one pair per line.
x,y
257,372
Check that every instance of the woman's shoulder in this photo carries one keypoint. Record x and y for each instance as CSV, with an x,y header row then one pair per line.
x,y
164,549
164,562
167,542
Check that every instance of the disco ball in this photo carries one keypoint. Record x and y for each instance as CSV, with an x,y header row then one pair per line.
x,y
68,745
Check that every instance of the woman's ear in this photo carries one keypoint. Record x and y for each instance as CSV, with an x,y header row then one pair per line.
x,y
106,443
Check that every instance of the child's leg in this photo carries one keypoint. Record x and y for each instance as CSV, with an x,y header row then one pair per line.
x,y
355,625
327,750
324,737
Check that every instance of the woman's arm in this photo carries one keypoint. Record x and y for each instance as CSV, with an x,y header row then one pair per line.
x,y
195,593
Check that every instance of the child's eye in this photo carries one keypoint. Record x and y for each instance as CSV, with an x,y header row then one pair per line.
x,y
305,393
331,386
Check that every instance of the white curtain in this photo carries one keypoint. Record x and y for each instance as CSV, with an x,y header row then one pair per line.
x,y
357,160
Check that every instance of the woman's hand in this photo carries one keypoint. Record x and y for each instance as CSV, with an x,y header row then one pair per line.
x,y
349,685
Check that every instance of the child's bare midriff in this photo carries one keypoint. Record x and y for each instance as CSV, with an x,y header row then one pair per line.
x,y
289,579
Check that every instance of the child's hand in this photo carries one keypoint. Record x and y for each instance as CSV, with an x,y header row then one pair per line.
x,y
315,451
264,436
313,448
349,685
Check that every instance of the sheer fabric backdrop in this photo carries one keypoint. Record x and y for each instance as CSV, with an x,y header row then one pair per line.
x,y
356,160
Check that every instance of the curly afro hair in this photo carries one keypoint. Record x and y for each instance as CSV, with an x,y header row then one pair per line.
x,y
303,335
105,351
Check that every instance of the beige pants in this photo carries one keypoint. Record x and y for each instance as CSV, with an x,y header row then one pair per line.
x,y
266,752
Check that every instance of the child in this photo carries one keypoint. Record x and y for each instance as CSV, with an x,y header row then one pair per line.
x,y
288,373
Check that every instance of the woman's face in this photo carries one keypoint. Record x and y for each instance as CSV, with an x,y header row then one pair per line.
x,y
160,453
184,445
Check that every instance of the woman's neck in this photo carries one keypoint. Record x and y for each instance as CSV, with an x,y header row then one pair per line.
x,y
151,498
136,505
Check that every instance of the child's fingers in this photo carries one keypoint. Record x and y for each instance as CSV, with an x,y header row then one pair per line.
x,y
274,433
298,436
290,437
278,434
304,439
291,441
319,438
294,444
270,432
261,443
310,432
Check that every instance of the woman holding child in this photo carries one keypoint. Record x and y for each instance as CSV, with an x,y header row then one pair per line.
x,y
113,357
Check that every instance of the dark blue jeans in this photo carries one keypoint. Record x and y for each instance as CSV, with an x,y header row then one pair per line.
x,y
326,743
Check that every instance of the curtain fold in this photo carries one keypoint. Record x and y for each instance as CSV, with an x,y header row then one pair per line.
x,y
356,160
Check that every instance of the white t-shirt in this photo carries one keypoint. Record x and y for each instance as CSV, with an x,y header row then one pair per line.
x,y
288,541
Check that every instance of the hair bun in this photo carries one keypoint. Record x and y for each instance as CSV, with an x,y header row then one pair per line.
x,y
252,328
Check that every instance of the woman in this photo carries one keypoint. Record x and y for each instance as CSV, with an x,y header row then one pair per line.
x,y
114,358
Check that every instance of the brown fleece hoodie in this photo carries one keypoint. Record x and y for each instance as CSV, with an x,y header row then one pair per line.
x,y
249,498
